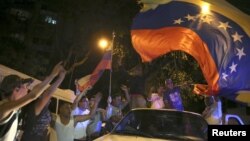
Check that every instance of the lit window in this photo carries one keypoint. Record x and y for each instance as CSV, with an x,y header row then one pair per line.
x,y
49,20
53,21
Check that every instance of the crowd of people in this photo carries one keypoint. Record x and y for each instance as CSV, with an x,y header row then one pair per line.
x,y
83,120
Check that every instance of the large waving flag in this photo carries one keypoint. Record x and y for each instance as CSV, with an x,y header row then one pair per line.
x,y
89,81
217,38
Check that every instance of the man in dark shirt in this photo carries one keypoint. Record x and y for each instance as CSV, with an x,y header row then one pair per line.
x,y
172,97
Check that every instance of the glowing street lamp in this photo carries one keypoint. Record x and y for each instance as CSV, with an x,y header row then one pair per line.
x,y
108,46
103,44
205,8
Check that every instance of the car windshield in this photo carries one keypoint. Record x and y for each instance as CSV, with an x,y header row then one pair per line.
x,y
164,124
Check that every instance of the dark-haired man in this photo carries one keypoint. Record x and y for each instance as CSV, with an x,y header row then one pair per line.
x,y
172,97
115,107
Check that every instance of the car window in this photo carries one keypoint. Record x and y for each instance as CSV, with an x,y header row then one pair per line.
x,y
163,124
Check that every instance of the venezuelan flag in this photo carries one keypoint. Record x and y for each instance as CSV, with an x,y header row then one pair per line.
x,y
89,81
216,34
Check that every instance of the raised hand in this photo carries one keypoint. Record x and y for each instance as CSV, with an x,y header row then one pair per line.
x,y
76,82
62,72
109,100
57,68
98,97
124,88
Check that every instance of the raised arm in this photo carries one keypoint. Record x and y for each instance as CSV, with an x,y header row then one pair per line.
x,y
126,92
79,96
10,106
39,89
103,113
43,101
108,108
80,118
77,91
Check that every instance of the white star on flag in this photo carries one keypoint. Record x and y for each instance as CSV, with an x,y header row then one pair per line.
x,y
237,37
189,17
206,19
179,21
224,25
240,53
224,76
233,67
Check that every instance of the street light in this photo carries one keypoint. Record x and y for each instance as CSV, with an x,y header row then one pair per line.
x,y
103,43
205,8
108,46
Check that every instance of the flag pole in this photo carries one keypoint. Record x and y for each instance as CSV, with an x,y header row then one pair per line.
x,y
110,71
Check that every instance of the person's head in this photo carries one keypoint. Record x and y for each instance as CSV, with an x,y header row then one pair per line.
x,y
14,87
91,101
116,99
83,103
65,109
169,84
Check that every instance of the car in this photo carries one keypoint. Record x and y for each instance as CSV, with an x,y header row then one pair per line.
x,y
158,124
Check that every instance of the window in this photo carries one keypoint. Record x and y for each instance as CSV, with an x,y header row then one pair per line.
x,y
50,20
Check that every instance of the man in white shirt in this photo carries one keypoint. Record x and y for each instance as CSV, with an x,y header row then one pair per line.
x,y
65,123
80,128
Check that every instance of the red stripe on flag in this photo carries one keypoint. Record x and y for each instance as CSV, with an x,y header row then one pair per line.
x,y
104,64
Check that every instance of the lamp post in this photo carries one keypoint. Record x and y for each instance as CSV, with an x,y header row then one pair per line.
x,y
106,45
